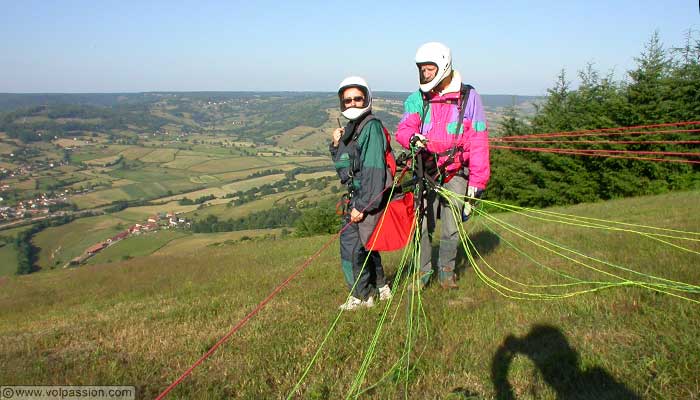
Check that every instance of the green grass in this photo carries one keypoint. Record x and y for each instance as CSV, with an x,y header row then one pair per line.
x,y
92,153
149,183
220,239
185,162
160,156
253,182
139,214
6,148
8,259
204,179
12,232
144,321
61,244
224,212
230,164
99,198
135,152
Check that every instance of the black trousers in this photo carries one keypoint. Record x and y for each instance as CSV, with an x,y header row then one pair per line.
x,y
357,263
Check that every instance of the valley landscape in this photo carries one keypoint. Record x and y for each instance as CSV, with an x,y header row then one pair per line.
x,y
185,243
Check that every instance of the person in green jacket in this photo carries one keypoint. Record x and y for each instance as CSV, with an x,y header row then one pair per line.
x,y
358,152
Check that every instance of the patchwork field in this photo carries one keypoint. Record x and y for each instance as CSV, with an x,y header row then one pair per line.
x,y
135,152
7,148
159,156
232,164
137,214
185,162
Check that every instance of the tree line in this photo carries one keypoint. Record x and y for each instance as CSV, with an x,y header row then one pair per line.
x,y
664,87
63,120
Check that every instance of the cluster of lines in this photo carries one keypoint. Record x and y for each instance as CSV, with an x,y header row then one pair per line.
x,y
409,302
641,142
588,274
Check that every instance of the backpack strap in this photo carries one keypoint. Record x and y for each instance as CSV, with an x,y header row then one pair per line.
x,y
361,126
388,152
426,107
463,98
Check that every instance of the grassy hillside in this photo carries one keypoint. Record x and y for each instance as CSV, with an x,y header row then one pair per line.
x,y
144,321
61,244
8,255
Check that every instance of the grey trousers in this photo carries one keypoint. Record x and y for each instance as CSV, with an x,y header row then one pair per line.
x,y
449,235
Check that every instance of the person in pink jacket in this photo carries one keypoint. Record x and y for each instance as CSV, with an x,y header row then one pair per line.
x,y
431,121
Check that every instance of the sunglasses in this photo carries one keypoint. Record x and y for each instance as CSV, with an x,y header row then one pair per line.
x,y
356,99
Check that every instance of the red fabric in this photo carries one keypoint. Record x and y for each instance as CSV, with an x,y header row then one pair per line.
x,y
388,154
394,227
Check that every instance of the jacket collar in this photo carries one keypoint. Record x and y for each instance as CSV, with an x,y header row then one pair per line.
x,y
455,85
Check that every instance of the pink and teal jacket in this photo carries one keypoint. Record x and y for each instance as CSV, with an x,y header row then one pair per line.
x,y
440,125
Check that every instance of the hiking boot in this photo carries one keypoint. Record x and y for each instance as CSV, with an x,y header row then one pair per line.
x,y
421,282
385,293
353,303
448,280
416,286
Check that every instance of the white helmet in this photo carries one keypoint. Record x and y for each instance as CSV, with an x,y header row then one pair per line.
x,y
359,83
439,55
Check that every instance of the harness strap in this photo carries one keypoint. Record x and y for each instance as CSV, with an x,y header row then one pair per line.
x,y
463,98
352,137
462,104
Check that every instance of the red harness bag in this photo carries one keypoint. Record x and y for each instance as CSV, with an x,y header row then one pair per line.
x,y
395,226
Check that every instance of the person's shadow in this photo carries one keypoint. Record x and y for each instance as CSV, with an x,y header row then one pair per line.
x,y
559,365
482,244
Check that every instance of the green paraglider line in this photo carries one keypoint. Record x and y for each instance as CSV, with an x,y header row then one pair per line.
x,y
417,319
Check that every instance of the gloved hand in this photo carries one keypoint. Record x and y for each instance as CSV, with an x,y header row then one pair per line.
x,y
418,140
466,211
474,193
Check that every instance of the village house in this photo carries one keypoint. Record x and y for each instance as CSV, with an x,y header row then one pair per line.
x,y
118,237
96,248
135,229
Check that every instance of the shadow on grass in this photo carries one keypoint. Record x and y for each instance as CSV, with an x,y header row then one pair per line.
x,y
559,365
484,243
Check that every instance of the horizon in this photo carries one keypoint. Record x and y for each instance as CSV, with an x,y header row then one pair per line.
x,y
237,91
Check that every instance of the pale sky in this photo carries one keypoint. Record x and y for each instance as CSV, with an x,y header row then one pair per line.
x,y
500,47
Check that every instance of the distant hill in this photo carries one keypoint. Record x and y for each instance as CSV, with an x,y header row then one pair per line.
x,y
490,100
14,101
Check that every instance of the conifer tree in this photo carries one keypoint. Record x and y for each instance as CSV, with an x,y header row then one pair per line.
x,y
649,91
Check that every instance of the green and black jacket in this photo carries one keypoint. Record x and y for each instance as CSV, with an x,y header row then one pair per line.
x,y
359,161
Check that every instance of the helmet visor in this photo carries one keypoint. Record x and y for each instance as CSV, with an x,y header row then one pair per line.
x,y
427,72
353,98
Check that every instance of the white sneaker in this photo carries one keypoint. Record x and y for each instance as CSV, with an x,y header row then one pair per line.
x,y
385,293
354,303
